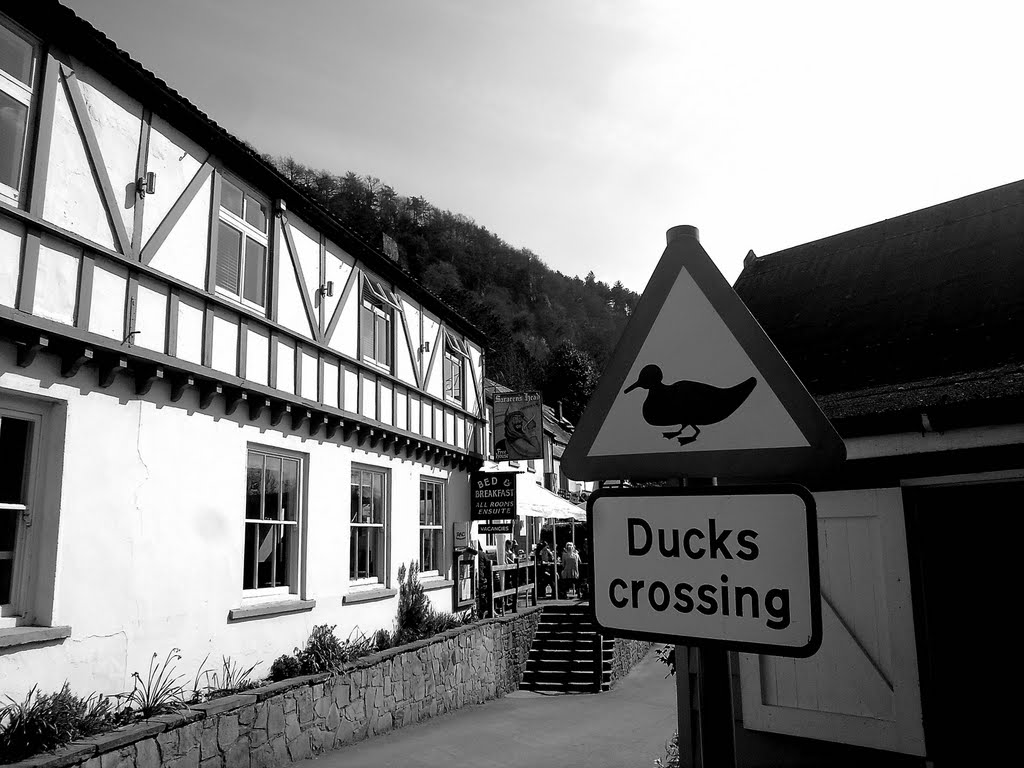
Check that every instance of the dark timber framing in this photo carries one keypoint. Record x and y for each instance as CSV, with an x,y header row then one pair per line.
x,y
413,352
40,159
336,316
314,326
84,310
95,155
29,270
433,357
141,161
177,210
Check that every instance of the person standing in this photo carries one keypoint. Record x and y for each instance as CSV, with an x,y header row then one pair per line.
x,y
546,560
570,569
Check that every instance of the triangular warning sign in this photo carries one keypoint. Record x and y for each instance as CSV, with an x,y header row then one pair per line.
x,y
695,388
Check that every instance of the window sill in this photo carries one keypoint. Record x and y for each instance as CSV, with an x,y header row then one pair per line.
x,y
435,583
382,367
15,636
270,609
368,595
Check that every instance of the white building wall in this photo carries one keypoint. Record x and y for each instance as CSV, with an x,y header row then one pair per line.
x,y
150,543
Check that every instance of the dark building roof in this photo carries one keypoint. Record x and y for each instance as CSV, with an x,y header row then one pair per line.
x,y
60,25
922,311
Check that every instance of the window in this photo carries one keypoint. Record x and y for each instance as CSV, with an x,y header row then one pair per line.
x,y
455,354
15,444
369,526
375,323
17,74
432,514
273,522
242,240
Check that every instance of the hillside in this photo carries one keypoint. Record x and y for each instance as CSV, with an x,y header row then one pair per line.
x,y
546,330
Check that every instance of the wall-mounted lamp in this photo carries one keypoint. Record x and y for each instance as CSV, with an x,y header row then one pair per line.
x,y
425,346
327,289
145,185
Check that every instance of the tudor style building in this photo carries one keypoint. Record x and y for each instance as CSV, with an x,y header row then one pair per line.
x,y
223,418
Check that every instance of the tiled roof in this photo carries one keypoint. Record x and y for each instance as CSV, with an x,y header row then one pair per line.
x,y
911,312
58,24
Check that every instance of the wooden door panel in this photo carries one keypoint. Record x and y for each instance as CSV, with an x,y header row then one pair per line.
x,y
861,687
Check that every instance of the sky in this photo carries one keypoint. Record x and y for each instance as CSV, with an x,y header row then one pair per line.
x,y
584,129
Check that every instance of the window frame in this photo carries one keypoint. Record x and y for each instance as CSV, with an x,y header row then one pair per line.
x,y
440,486
247,231
456,354
27,95
297,569
381,305
20,555
35,572
383,578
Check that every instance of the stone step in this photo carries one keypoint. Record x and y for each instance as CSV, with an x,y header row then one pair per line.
x,y
567,691
551,627
556,668
564,610
569,630
555,680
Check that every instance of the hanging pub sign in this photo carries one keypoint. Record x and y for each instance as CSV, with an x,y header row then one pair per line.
x,y
518,426
506,527
492,496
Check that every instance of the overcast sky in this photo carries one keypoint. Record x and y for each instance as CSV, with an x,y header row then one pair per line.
x,y
584,129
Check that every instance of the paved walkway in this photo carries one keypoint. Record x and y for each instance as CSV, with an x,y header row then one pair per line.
x,y
626,727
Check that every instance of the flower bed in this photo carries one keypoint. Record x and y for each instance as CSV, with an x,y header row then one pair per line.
x,y
293,719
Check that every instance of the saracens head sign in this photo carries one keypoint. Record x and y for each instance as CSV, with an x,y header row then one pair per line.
x,y
735,567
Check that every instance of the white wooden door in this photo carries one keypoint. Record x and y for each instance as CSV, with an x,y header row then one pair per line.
x,y
862,686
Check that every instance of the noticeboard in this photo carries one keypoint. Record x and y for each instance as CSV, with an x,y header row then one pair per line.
x,y
492,496
518,426
733,567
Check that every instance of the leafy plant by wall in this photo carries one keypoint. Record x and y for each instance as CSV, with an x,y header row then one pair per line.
x,y
323,651
231,678
416,618
161,692
284,667
46,721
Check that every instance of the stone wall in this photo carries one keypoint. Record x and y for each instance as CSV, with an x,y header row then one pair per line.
x,y
295,719
628,654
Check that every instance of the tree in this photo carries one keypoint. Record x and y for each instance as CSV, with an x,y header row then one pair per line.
x,y
569,378
524,308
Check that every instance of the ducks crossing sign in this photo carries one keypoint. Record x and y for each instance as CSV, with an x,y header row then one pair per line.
x,y
695,388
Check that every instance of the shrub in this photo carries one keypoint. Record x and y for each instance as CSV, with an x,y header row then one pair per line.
x,y
416,618
382,640
231,679
323,651
671,754
161,692
414,609
46,721
284,667
667,656
97,717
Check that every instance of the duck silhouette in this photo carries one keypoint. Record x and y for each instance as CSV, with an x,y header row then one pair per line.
x,y
687,403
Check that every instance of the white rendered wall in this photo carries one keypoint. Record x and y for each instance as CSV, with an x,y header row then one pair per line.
x,y
151,542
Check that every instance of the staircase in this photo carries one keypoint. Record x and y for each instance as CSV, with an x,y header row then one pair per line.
x,y
568,654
